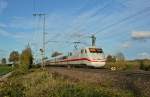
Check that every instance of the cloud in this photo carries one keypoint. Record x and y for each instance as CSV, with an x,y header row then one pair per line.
x,y
4,33
1,50
22,23
144,55
126,45
83,21
80,25
3,5
20,35
140,35
2,25
22,29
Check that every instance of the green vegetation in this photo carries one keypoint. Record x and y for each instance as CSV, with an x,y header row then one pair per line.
x,y
22,62
27,82
129,65
40,83
144,65
26,58
4,69
14,57
56,53
4,61
120,63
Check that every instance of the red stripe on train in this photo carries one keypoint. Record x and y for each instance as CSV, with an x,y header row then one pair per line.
x,y
79,59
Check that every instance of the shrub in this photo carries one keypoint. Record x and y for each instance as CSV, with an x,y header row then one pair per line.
x,y
144,65
12,89
147,68
119,65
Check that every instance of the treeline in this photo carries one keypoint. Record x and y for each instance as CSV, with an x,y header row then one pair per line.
x,y
23,60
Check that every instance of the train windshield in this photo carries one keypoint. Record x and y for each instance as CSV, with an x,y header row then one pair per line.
x,y
95,50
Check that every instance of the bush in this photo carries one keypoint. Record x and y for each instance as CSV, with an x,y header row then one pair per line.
x,y
12,89
147,68
119,65
144,65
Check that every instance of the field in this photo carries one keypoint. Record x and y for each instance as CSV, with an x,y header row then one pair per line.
x,y
76,82
4,69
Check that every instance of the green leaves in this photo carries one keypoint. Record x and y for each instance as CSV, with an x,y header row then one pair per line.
x,y
14,57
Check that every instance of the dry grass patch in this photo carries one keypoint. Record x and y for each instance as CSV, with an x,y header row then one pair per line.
x,y
40,83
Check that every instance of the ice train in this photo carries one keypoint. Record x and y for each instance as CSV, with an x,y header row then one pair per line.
x,y
88,56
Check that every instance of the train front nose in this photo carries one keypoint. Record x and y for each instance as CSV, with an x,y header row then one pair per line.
x,y
98,63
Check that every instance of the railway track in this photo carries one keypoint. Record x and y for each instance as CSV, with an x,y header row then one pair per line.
x,y
138,73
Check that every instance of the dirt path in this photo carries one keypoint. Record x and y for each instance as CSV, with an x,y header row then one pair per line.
x,y
4,77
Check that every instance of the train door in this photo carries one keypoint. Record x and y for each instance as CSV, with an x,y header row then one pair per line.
x,y
70,55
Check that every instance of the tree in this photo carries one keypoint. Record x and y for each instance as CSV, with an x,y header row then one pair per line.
x,y
120,56
111,58
56,54
14,57
3,61
26,57
141,64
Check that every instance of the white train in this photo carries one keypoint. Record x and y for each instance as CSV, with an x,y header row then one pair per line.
x,y
89,56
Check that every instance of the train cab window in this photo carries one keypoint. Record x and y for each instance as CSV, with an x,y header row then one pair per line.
x,y
99,51
64,57
95,50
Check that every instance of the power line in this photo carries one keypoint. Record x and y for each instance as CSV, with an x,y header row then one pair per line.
x,y
107,5
93,14
76,43
88,35
124,19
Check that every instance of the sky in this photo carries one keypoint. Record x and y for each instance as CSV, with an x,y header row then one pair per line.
x,y
119,26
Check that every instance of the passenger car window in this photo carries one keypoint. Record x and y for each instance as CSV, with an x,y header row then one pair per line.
x,y
85,51
82,51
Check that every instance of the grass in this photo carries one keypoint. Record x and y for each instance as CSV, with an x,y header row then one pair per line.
x,y
4,69
40,83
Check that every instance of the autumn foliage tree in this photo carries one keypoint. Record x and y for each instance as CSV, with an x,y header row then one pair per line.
x,y
111,58
14,57
54,54
120,57
26,57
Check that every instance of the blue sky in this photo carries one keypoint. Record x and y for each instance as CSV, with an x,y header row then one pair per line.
x,y
119,25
